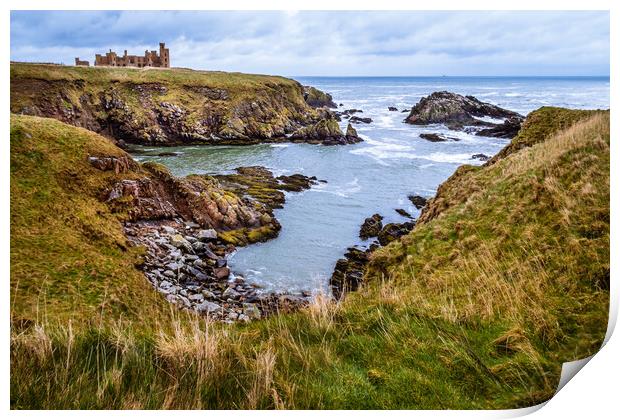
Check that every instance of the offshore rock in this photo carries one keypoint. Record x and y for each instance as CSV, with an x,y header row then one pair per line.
x,y
457,111
351,134
356,119
481,156
417,201
404,213
393,231
434,137
371,226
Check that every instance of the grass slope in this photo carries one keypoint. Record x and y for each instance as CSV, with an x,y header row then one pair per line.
x,y
505,278
69,256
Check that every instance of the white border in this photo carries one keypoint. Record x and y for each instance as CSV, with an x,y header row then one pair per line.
x,y
592,394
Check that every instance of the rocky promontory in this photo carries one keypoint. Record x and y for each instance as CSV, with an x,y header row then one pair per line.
x,y
458,112
190,225
176,106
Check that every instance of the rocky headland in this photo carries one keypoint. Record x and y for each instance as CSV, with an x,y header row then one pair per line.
x,y
177,106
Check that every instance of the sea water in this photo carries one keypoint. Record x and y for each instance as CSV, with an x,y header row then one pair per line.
x,y
374,176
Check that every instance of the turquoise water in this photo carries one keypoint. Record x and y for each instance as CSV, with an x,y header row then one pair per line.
x,y
370,177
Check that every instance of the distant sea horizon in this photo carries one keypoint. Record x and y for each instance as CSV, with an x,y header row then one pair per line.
x,y
456,77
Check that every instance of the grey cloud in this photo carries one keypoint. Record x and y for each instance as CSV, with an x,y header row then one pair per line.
x,y
331,43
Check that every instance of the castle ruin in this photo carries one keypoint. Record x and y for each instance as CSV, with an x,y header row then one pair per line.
x,y
150,59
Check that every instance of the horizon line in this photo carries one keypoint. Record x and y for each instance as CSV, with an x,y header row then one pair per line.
x,y
449,76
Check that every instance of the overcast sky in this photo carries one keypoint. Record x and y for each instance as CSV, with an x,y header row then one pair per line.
x,y
329,43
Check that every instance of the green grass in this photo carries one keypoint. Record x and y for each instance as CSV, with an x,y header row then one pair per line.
x,y
69,256
228,80
505,278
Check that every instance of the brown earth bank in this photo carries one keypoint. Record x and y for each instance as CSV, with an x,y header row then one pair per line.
x,y
177,106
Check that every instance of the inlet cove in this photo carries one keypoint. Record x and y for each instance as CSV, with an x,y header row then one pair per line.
x,y
247,241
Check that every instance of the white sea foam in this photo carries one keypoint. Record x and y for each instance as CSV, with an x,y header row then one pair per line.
x,y
441,157
385,121
491,120
345,190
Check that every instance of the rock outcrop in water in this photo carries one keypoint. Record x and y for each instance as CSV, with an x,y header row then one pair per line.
x,y
364,120
176,106
418,201
435,137
346,114
317,99
326,132
458,111
348,273
371,226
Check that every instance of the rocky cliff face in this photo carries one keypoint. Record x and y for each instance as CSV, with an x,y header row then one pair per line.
x,y
149,192
172,107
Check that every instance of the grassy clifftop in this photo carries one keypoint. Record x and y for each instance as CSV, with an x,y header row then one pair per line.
x,y
505,277
164,106
237,83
